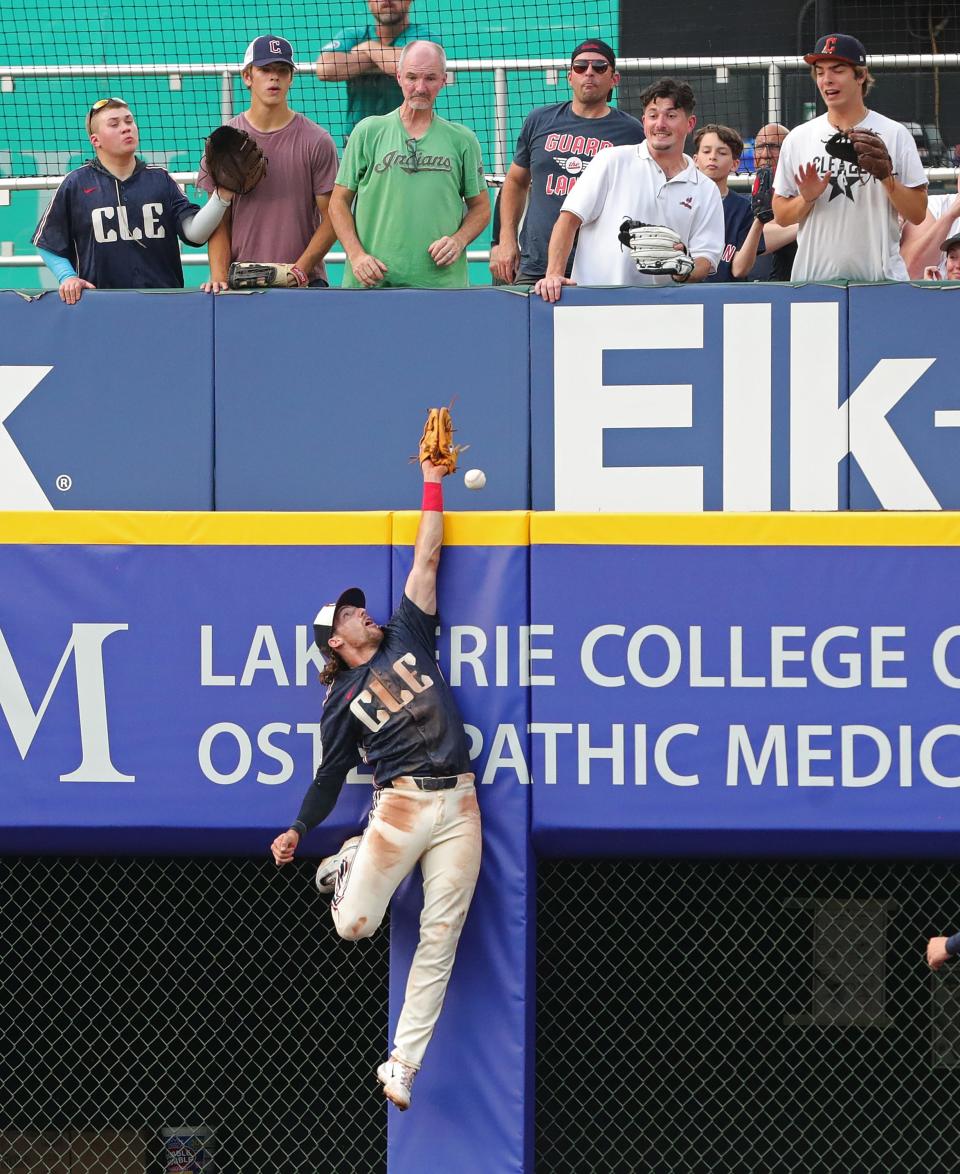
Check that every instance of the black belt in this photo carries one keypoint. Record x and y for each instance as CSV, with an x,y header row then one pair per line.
x,y
426,783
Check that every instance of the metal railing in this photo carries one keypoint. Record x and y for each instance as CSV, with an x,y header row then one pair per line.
x,y
501,68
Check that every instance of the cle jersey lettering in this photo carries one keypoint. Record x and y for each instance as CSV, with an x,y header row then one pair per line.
x,y
375,716
104,234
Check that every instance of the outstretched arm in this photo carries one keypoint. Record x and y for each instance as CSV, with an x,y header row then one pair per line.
x,y
317,804
421,587
561,242
941,950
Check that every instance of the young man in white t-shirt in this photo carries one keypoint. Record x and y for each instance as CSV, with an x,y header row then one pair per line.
x,y
848,220
654,182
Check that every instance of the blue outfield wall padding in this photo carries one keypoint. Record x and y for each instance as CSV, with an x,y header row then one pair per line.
x,y
738,699
165,699
690,398
118,411
902,350
316,389
718,398
473,1098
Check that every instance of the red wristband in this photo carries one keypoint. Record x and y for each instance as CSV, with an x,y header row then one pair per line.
x,y
299,274
433,496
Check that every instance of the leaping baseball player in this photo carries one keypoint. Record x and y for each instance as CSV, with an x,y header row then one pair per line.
x,y
388,703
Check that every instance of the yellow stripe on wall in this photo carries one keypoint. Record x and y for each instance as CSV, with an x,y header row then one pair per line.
x,y
509,528
780,529
109,528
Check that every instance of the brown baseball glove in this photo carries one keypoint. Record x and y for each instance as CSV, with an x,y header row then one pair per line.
x,y
865,148
872,153
234,161
436,443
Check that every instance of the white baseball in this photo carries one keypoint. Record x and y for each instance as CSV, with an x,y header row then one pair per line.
x,y
475,478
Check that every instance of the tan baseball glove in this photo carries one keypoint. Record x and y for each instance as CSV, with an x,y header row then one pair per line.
x,y
436,443
263,274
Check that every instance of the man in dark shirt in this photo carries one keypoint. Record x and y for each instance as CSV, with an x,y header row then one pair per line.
x,y
776,264
555,147
388,704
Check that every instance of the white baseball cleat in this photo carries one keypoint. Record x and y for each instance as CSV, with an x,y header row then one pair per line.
x,y
397,1080
330,866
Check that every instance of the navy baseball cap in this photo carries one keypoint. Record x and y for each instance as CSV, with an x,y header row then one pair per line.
x,y
838,47
950,242
323,624
596,46
267,50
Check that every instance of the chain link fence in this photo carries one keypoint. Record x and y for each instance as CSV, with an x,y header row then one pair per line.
x,y
692,1016
143,995
712,1017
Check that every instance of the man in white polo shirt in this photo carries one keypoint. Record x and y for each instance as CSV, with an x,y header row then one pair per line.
x,y
653,182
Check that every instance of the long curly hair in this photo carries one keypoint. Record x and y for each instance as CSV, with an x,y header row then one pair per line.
x,y
332,664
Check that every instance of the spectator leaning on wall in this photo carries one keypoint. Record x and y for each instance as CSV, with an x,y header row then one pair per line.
x,y
717,152
411,193
554,149
114,223
367,57
780,244
848,218
284,219
654,182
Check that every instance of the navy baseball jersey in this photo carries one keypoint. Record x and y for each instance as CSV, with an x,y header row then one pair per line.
x,y
737,222
396,713
118,233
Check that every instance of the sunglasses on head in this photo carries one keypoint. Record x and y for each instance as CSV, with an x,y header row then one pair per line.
x,y
101,102
596,66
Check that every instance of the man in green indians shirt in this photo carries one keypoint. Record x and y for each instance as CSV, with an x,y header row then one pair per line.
x,y
410,194
366,57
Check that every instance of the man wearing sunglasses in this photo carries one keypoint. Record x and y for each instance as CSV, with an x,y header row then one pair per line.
x,y
555,146
114,223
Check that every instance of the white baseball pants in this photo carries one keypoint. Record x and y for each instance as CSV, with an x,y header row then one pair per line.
x,y
441,830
